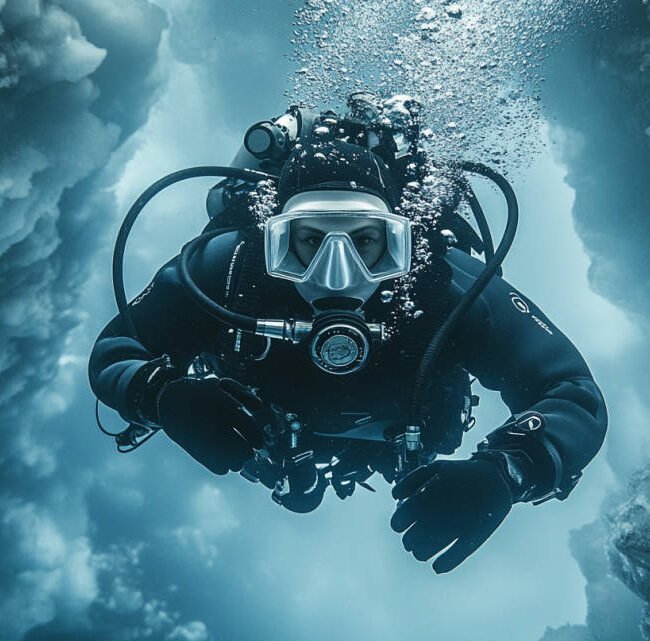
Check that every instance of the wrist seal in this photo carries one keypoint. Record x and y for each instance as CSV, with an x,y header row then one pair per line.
x,y
530,458
147,383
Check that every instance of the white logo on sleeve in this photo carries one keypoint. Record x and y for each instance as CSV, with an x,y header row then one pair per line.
x,y
542,324
141,296
522,306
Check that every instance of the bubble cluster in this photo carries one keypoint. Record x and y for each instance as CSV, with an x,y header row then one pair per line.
x,y
263,202
424,202
475,65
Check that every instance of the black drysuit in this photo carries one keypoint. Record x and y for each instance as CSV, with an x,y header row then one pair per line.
x,y
504,340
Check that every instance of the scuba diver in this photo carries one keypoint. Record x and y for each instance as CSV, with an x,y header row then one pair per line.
x,y
326,326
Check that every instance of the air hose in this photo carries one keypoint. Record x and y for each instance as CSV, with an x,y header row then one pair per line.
x,y
132,215
483,227
238,321
434,349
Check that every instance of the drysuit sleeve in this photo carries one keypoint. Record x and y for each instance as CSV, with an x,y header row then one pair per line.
x,y
559,418
170,328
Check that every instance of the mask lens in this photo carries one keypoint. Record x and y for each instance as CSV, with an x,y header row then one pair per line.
x,y
280,260
378,242
368,236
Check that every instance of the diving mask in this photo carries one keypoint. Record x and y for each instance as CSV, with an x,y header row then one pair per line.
x,y
337,245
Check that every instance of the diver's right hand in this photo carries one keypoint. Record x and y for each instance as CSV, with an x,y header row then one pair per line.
x,y
213,420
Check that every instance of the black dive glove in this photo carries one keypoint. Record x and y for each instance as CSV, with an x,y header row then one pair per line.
x,y
213,420
448,500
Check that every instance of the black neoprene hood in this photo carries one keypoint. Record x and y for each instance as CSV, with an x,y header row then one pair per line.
x,y
336,165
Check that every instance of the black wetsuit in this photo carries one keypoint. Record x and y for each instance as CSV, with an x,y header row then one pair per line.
x,y
504,340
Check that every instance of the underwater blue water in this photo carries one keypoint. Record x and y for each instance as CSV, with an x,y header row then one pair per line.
x,y
98,546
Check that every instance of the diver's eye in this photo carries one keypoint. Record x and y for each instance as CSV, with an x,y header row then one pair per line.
x,y
309,239
364,241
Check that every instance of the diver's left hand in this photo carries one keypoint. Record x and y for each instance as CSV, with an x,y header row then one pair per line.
x,y
445,501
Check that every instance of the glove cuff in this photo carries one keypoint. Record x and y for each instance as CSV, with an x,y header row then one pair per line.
x,y
147,384
517,470
529,458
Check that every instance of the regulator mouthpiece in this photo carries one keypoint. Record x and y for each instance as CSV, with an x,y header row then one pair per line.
x,y
339,342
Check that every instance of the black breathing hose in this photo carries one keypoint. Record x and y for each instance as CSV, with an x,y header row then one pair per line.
x,y
125,229
238,321
434,349
483,227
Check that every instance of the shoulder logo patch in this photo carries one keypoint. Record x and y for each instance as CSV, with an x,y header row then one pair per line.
x,y
520,304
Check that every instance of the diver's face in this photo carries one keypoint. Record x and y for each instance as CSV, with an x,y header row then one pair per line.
x,y
368,236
